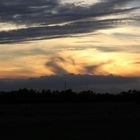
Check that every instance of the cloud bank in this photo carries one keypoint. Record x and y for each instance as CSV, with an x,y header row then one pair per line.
x,y
98,83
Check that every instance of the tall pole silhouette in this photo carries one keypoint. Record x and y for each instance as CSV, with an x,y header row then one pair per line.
x,y
65,85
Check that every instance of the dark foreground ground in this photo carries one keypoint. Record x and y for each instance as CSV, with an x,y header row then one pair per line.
x,y
71,121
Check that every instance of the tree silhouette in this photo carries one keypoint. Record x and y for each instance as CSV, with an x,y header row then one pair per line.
x,y
33,96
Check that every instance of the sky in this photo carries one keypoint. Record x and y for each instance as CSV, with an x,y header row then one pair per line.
x,y
61,37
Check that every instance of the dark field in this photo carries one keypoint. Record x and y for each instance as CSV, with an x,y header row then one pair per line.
x,y
71,121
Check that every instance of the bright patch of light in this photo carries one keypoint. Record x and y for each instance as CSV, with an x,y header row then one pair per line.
x,y
12,26
80,2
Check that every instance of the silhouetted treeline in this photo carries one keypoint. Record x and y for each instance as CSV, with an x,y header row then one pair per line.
x,y
47,96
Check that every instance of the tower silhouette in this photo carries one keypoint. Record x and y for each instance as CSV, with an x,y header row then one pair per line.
x,y
65,85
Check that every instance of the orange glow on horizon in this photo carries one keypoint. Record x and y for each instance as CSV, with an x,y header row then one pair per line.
x,y
106,52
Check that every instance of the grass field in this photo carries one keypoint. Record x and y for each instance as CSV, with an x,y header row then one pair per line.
x,y
71,121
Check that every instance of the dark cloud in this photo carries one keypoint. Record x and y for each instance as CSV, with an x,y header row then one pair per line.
x,y
92,68
54,63
16,54
109,49
36,33
137,62
55,67
42,13
52,12
76,82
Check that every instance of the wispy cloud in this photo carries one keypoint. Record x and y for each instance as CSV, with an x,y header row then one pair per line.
x,y
93,69
55,67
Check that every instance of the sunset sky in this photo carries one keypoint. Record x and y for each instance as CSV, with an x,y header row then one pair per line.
x,y
58,37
